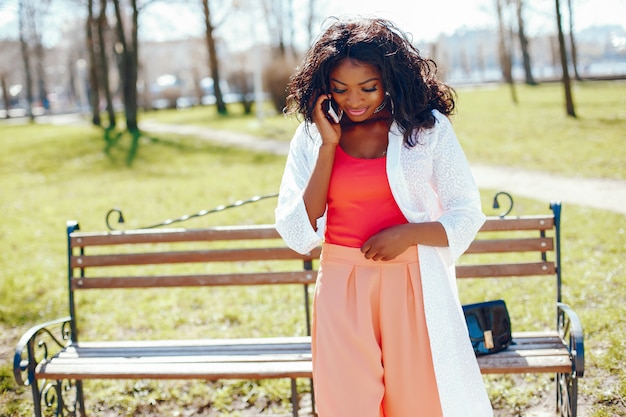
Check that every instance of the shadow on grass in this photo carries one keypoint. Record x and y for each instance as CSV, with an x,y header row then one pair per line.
x,y
125,145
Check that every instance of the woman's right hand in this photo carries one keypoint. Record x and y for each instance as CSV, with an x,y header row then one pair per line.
x,y
316,191
329,130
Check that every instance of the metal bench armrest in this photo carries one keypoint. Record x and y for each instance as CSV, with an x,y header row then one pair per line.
x,y
37,345
571,331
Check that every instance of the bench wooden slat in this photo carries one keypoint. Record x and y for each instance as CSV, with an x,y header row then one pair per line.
x,y
177,257
157,360
164,281
505,270
501,364
146,353
237,343
194,370
261,358
79,239
526,223
536,337
511,245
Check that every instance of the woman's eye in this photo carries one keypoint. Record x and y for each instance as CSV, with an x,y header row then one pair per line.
x,y
370,90
338,91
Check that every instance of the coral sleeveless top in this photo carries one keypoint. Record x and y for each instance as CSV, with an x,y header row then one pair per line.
x,y
360,202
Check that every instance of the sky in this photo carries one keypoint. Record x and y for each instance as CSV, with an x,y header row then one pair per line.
x,y
424,19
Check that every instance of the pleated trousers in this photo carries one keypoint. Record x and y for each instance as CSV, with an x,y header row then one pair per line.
x,y
371,352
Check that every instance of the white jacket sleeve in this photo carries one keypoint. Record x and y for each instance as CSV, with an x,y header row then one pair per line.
x,y
454,183
292,221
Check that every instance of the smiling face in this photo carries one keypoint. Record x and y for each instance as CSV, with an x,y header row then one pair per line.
x,y
357,87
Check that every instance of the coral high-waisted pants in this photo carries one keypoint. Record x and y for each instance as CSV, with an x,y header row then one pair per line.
x,y
371,352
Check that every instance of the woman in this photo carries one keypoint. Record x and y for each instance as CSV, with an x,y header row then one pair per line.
x,y
376,173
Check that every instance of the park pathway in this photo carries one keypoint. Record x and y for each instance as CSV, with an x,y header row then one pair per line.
x,y
607,194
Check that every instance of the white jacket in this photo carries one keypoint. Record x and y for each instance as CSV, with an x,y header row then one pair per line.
x,y
430,181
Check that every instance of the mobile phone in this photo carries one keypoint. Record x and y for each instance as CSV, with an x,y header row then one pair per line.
x,y
334,115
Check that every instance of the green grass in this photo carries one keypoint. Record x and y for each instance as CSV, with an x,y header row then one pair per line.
x,y
270,125
533,134
49,174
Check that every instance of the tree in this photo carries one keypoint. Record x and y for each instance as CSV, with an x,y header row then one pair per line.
x,y
40,55
505,48
209,28
32,15
103,63
93,66
569,101
280,24
5,95
24,12
572,39
10,55
128,52
281,27
523,40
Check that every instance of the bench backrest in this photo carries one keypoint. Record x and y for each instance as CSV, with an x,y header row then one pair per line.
x,y
511,237
216,256
256,255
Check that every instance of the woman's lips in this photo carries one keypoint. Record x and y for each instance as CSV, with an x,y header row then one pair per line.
x,y
356,112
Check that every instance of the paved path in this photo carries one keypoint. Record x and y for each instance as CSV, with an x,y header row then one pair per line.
x,y
598,193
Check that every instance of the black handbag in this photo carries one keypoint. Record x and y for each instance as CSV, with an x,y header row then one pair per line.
x,y
489,326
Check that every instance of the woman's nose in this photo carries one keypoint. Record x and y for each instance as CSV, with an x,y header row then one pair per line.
x,y
354,98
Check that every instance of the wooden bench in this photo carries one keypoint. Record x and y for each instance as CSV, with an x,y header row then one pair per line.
x,y
54,358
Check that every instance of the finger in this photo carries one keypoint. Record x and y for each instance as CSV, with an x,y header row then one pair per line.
x,y
320,101
366,246
319,112
369,254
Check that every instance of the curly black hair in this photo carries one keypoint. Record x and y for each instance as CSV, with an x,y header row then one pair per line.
x,y
409,78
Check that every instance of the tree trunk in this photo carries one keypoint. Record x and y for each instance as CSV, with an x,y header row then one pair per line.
x,y
5,96
273,10
94,97
128,65
104,64
506,58
26,60
510,67
523,40
39,53
569,101
290,29
572,40
41,74
133,69
213,61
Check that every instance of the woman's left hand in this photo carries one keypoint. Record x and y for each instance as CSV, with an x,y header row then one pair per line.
x,y
386,244
391,242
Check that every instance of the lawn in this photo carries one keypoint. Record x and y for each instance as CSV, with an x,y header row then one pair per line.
x,y
50,174
532,134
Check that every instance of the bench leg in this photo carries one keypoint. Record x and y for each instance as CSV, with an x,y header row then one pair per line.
x,y
566,395
34,386
294,397
61,398
80,399
312,398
